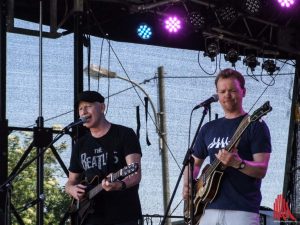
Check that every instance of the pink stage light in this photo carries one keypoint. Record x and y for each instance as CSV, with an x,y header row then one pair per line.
x,y
173,24
286,3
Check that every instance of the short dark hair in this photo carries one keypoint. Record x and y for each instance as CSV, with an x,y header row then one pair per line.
x,y
230,73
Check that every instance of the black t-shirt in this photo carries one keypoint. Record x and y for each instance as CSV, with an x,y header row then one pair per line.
x,y
101,156
237,190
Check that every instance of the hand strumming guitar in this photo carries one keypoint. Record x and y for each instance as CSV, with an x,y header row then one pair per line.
x,y
229,158
77,191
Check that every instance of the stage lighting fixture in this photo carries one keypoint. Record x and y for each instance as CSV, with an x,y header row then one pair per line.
x,y
172,24
212,51
197,20
270,66
227,13
286,3
232,56
252,7
144,31
251,61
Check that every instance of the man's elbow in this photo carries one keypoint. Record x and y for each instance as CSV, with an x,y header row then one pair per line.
x,y
262,173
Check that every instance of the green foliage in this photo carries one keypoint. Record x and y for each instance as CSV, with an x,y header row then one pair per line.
x,y
24,185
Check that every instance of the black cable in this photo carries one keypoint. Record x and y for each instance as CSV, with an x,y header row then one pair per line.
x,y
108,77
273,80
203,68
205,77
100,62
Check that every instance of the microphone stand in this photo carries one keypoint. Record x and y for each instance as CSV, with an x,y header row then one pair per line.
x,y
188,160
17,171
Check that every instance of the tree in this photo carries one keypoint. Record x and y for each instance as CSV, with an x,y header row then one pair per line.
x,y
24,185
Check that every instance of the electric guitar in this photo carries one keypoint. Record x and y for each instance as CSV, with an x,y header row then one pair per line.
x,y
207,186
84,207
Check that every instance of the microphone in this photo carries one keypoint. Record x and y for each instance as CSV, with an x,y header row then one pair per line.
x,y
80,121
213,98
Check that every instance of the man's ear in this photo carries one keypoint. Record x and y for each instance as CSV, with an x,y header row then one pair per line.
x,y
244,92
102,107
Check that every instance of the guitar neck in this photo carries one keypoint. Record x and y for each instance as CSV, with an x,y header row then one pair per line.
x,y
240,130
126,171
94,191
233,141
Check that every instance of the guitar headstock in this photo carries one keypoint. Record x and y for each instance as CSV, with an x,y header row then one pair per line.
x,y
129,169
261,111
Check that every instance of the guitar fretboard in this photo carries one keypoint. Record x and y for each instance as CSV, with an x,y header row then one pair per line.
x,y
98,188
233,141
127,170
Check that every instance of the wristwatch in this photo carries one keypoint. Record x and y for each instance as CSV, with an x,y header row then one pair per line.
x,y
242,165
123,187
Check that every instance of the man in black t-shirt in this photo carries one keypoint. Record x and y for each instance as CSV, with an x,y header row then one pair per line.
x,y
106,149
238,195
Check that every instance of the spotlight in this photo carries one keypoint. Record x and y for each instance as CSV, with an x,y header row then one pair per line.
x,y
252,7
172,24
212,51
227,13
232,56
270,66
197,20
251,62
144,31
286,3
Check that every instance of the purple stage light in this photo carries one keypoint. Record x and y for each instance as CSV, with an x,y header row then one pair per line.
x,y
172,24
286,3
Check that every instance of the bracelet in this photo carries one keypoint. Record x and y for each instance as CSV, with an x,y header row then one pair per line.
x,y
123,187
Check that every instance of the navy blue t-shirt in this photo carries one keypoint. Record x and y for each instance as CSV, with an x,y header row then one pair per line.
x,y
237,191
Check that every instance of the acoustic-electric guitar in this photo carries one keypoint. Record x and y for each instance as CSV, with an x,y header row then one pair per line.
x,y
207,186
84,207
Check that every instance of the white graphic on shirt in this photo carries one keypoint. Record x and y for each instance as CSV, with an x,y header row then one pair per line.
x,y
98,161
219,143
98,150
116,158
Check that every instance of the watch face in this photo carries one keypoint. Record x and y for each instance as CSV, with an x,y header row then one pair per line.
x,y
242,165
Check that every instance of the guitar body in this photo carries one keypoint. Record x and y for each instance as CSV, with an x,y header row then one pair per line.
x,y
197,215
206,189
84,207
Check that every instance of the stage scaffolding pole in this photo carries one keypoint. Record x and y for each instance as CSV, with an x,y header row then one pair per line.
x,y
3,120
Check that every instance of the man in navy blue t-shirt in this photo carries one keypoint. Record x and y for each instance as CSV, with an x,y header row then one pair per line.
x,y
234,196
